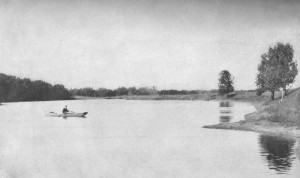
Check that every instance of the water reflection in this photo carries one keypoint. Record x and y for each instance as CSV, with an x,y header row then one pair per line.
x,y
224,119
225,111
64,117
225,104
278,152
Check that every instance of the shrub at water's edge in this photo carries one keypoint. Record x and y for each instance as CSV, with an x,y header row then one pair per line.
x,y
14,89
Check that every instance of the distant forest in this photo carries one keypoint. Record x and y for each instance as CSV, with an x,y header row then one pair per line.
x,y
131,91
16,89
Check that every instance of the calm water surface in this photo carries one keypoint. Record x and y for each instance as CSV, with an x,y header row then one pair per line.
x,y
120,138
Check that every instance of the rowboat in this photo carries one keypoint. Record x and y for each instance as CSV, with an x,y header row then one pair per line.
x,y
69,114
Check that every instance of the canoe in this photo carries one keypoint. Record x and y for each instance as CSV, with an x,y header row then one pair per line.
x,y
54,114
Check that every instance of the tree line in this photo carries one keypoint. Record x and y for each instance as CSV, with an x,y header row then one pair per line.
x,y
131,91
14,89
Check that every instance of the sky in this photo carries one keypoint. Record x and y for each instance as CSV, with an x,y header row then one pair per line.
x,y
178,44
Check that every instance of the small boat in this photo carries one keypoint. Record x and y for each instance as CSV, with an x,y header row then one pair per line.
x,y
69,114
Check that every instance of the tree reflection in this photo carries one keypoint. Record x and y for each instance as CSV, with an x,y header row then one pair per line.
x,y
224,118
279,152
225,104
225,111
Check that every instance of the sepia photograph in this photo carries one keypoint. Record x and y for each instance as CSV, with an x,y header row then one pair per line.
x,y
149,89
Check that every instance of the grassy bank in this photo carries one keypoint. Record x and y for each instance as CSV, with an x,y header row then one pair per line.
x,y
274,117
168,97
240,96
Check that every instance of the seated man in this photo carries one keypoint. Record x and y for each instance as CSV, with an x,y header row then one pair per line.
x,y
65,110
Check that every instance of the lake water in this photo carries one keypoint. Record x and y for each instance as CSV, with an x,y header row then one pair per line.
x,y
121,138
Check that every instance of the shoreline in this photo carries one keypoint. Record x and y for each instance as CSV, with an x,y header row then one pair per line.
x,y
261,126
242,96
252,122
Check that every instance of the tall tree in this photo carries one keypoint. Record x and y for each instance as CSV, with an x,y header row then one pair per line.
x,y
277,69
225,82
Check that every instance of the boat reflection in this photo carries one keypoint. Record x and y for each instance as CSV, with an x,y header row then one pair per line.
x,y
278,152
225,111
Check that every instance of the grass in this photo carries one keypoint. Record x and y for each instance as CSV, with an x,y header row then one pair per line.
x,y
285,112
166,97
241,96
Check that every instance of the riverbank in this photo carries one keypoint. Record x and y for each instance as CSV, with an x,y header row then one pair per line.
x,y
204,95
271,117
261,126
149,97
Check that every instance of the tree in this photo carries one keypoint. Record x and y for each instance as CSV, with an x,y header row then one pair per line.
x,y
16,89
225,82
132,91
59,92
277,69
121,91
147,91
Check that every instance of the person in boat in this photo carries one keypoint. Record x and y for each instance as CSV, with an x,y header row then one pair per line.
x,y
65,110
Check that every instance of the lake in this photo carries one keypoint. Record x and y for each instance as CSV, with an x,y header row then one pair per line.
x,y
123,138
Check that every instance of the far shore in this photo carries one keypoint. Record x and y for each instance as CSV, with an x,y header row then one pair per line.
x,y
207,96
147,97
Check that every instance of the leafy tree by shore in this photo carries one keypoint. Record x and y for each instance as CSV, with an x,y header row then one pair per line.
x,y
277,69
225,82
16,89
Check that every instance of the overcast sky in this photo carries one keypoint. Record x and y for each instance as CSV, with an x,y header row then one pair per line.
x,y
169,44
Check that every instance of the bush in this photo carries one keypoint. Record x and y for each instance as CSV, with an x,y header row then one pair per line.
x,y
259,91
230,95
